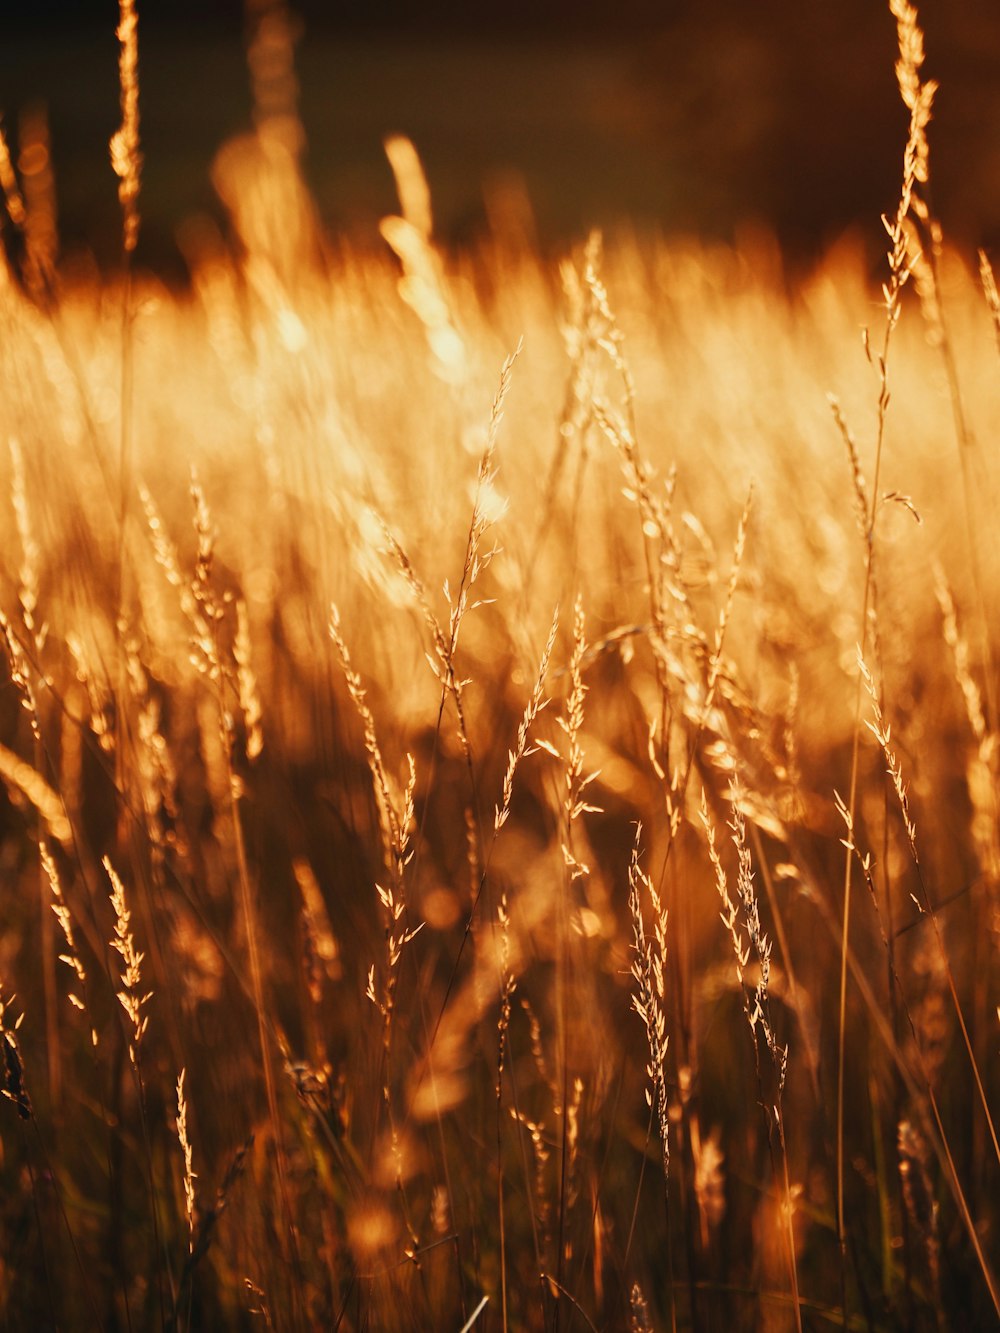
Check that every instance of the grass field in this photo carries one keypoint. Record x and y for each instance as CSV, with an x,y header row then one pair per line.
x,y
500,765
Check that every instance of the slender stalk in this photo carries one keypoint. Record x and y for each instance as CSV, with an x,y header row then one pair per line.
x,y
900,269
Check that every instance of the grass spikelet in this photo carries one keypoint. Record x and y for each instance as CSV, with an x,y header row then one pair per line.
x,y
323,951
611,340
249,694
648,972
28,569
725,613
440,663
126,159
508,985
260,1307
164,550
862,507
958,644
571,1149
575,779
388,818
757,1008
541,1155
411,184
756,1005
538,1049
206,654
195,596
397,936
187,1152
62,914
981,767
709,1181
488,507
423,285
155,774
12,1083
20,674
130,997
639,1317
729,914
881,731
209,1219
918,1197
28,782
523,747
918,98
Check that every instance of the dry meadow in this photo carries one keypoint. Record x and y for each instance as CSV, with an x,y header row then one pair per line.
x,y
499,821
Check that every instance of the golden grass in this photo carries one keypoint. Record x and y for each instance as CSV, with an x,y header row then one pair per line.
x,y
453,1044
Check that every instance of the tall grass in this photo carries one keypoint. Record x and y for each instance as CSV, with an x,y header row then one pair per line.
x,y
377,684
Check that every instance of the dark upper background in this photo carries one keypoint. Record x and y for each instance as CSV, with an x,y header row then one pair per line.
x,y
693,116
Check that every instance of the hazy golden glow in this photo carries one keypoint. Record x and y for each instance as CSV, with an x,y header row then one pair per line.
x,y
457,638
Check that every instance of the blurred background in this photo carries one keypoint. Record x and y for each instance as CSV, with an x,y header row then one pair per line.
x,y
541,120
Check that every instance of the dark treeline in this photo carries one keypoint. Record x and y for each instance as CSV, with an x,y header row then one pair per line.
x,y
783,114
787,20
